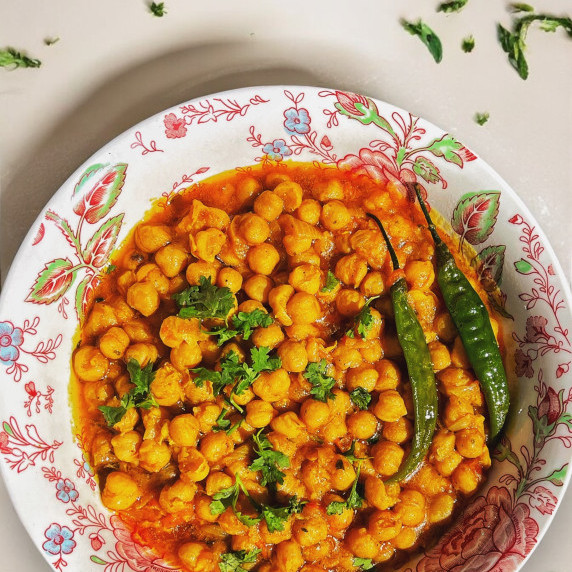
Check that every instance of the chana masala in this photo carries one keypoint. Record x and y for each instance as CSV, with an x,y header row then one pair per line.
x,y
241,389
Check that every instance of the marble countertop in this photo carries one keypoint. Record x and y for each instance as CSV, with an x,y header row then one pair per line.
x,y
115,64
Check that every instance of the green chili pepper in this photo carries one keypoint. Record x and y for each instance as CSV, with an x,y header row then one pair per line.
x,y
474,326
419,367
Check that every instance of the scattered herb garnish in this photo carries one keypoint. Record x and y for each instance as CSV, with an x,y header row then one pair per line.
x,y
354,500
110,268
360,397
363,321
228,497
10,58
453,6
514,43
204,301
51,40
350,454
269,462
276,517
331,282
157,9
223,424
232,561
138,396
243,323
322,383
520,7
482,118
468,44
427,36
363,563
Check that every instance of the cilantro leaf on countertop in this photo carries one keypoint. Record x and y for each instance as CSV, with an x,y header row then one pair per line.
x,y
50,41
468,44
453,6
269,462
481,118
427,36
11,58
520,7
360,397
139,396
322,383
205,300
232,561
157,9
331,282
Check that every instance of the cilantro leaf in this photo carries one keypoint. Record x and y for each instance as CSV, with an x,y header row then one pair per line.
x,y
468,44
228,498
363,563
276,517
223,424
363,321
453,6
109,269
10,58
51,40
331,282
269,462
350,454
204,301
139,396
354,500
246,322
223,334
157,9
519,7
231,561
322,384
360,397
427,36
481,118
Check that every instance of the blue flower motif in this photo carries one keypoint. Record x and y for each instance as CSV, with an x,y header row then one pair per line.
x,y
297,121
277,150
66,490
60,540
11,339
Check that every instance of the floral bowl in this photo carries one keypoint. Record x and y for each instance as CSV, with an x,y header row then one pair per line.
x,y
52,278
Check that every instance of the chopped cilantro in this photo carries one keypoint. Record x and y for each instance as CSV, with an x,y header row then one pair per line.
x,y
363,563
269,462
481,118
427,36
276,517
10,58
157,9
223,424
453,6
360,397
228,498
138,396
204,301
243,323
520,7
331,282
354,500
51,40
232,561
468,44
322,383
350,454
363,321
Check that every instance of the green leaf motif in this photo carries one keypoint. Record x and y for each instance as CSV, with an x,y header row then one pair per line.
x,y
101,244
489,264
427,170
65,229
83,297
448,148
523,266
52,282
475,215
503,452
7,428
98,560
557,477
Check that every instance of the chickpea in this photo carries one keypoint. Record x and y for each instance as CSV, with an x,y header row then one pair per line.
x,y
289,425
306,257
297,246
310,531
315,414
120,491
258,287
151,274
361,543
447,465
372,284
459,356
338,521
184,430
178,496
217,481
250,305
272,386
309,211
143,353
411,508
192,464
186,356
444,327
203,507
439,356
419,274
206,414
303,308
342,473
263,258
268,205
149,238
351,269
288,556
398,431
362,424
440,508
405,539
128,421
215,446
197,557
470,443
114,343
153,456
363,376
90,364
293,356
376,493
384,525
207,244
335,215
336,428
229,278
197,269
126,446
346,357
259,413
171,259
349,302
291,194
306,278
390,406
138,331
253,229
428,481
124,280
268,337
143,297
327,190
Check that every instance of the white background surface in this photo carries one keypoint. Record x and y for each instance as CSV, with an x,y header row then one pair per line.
x,y
116,64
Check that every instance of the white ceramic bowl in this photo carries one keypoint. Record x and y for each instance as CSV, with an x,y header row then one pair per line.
x,y
51,484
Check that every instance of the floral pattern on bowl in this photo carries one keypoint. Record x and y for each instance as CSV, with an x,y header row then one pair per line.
x,y
51,280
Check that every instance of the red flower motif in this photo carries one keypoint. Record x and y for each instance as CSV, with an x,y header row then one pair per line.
x,y
516,219
551,406
493,536
30,388
543,500
325,143
562,369
96,541
536,328
348,101
4,440
174,126
523,365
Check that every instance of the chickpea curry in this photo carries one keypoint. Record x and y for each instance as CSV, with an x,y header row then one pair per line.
x,y
248,390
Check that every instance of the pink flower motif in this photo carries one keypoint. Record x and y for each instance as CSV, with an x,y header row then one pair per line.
x,y
348,101
4,440
11,339
562,369
536,328
30,388
543,500
96,541
516,219
174,126
523,365
493,536
551,407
